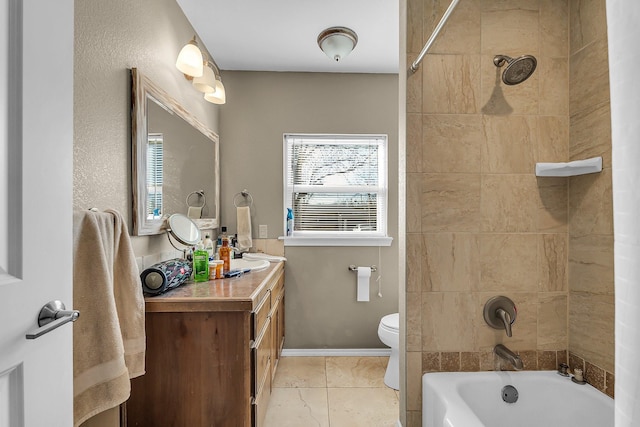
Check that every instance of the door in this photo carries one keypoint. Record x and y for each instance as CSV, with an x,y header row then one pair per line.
x,y
36,161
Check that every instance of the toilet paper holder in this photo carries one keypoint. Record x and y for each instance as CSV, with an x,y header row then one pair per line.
x,y
354,268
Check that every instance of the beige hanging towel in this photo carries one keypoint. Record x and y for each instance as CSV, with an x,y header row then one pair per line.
x,y
243,214
109,336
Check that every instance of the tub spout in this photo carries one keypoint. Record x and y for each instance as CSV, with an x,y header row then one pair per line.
x,y
509,356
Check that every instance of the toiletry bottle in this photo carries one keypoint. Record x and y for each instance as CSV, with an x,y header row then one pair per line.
x,y
289,221
200,264
225,254
208,246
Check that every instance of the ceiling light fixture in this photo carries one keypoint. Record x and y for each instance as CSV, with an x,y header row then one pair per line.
x,y
190,60
337,42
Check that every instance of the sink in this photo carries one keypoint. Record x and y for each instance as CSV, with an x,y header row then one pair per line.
x,y
253,265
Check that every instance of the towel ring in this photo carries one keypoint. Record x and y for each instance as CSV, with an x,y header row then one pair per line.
x,y
246,195
199,193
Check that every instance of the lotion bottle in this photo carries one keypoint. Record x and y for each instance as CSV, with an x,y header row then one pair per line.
x,y
225,254
200,264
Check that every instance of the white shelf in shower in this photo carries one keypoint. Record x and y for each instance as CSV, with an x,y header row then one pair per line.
x,y
577,167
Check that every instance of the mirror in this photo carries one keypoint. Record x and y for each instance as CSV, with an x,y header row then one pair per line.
x,y
183,229
175,161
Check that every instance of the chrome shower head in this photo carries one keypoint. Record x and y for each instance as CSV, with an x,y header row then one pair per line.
x,y
518,69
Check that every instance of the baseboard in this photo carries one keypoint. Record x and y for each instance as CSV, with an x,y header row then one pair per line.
x,y
362,352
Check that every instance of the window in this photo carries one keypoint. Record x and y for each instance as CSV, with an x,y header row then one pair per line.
x,y
154,175
336,187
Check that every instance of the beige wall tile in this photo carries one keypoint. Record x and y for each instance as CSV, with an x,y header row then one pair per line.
x,y
554,28
461,34
552,263
508,203
510,31
414,262
590,134
547,359
587,22
414,321
591,264
552,321
414,142
505,5
500,99
553,77
450,361
414,26
508,262
414,88
470,361
451,142
510,144
553,210
451,84
446,323
414,381
589,77
414,202
553,139
414,418
451,262
430,361
524,328
592,336
591,204
450,202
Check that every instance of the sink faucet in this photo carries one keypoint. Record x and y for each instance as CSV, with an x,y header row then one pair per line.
x,y
509,356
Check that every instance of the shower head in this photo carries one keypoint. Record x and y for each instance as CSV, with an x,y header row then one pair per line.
x,y
518,69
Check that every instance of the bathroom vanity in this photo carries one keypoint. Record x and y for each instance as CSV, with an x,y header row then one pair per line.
x,y
212,352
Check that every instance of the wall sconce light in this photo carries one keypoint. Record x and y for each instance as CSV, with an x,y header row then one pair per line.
x,y
337,42
205,77
190,60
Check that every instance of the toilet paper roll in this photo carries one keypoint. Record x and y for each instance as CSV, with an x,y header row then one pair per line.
x,y
194,212
364,274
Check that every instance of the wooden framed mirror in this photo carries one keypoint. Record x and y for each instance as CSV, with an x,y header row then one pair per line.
x,y
175,160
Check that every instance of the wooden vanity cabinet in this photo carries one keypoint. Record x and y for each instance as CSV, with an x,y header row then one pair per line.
x,y
212,352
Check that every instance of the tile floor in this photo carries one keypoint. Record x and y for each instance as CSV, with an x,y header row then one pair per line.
x,y
332,392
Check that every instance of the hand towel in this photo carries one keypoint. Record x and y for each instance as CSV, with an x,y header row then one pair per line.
x,y
194,212
109,337
243,214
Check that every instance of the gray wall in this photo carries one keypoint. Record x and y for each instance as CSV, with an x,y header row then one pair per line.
x,y
321,311
110,38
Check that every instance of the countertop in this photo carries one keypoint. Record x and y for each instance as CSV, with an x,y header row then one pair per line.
x,y
241,293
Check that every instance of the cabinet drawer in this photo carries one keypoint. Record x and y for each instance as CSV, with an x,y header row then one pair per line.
x,y
261,355
260,316
261,403
277,290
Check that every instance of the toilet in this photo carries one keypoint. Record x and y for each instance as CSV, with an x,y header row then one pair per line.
x,y
389,333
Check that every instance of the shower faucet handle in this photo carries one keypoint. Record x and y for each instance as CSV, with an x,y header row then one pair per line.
x,y
500,313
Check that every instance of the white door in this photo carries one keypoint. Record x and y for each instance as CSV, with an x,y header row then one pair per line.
x,y
36,154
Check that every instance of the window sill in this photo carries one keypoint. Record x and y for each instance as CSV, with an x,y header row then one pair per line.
x,y
336,241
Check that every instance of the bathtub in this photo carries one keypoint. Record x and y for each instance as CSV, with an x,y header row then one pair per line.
x,y
544,399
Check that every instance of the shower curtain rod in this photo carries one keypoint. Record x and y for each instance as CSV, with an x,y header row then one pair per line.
x,y
436,31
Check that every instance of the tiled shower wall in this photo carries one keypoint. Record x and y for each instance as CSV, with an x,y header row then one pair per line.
x,y
479,223
591,288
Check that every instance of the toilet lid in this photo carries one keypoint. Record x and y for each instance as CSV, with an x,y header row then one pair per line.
x,y
391,321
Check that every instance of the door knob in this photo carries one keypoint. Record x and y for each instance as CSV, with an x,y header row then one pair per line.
x,y
52,316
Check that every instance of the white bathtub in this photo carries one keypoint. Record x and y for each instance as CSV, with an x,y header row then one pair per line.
x,y
545,399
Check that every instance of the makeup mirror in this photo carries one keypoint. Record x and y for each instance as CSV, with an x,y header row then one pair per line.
x,y
183,229
175,161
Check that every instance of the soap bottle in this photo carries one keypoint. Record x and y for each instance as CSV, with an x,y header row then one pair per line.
x,y
289,221
208,246
225,254
200,264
